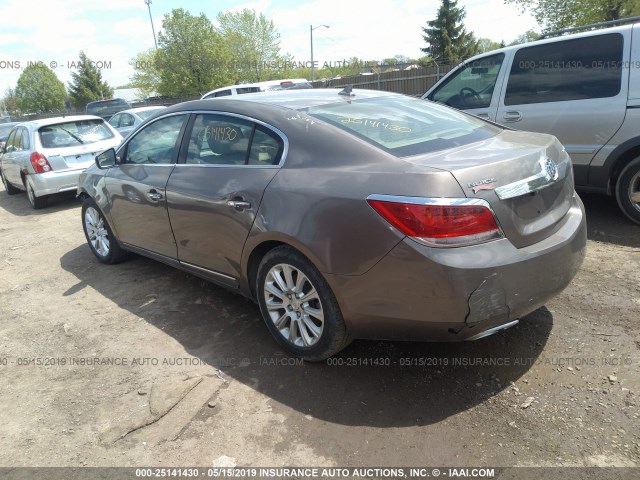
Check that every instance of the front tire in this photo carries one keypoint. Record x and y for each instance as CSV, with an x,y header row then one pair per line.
x,y
298,306
99,236
628,190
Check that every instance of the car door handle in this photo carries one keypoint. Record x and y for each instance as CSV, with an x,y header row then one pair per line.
x,y
154,195
239,204
512,116
483,115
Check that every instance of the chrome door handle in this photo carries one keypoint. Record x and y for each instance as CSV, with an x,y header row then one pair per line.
x,y
154,195
512,116
239,204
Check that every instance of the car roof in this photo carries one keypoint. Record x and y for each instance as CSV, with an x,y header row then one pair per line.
x,y
290,99
141,109
43,122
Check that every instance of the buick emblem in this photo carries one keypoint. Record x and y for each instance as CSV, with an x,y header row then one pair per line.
x,y
549,167
484,184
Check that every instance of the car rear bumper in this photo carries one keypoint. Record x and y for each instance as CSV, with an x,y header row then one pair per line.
x,y
448,294
50,183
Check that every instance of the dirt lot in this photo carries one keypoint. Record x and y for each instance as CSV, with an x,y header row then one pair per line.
x,y
140,364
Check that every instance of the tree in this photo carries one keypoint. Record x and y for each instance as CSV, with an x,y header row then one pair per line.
x,y
486,45
526,37
447,39
39,90
87,84
253,41
556,15
191,59
146,77
9,103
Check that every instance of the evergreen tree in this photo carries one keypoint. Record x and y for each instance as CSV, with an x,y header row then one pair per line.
x,y
87,84
447,39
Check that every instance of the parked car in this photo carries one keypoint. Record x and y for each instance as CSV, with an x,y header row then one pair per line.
x,y
46,157
270,85
345,214
584,88
107,108
5,128
127,120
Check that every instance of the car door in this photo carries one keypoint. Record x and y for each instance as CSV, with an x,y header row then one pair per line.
x,y
474,86
575,89
137,186
17,154
215,191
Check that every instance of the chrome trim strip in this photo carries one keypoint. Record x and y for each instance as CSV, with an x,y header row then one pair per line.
x,y
430,201
493,330
209,272
549,174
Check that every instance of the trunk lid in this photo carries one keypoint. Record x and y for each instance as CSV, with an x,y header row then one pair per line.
x,y
526,178
76,157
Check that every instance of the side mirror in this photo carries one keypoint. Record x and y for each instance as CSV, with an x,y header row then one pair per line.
x,y
106,159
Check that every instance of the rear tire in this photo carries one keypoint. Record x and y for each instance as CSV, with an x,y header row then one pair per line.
x,y
36,202
628,191
298,306
11,190
99,236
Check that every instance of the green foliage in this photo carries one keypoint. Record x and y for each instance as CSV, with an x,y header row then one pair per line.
x,y
87,84
9,103
146,77
252,42
556,15
191,58
39,90
447,39
486,45
526,37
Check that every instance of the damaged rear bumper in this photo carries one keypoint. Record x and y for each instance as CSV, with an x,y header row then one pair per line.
x,y
460,293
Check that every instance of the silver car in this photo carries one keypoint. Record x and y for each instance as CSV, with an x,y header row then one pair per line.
x,y
127,120
345,214
46,157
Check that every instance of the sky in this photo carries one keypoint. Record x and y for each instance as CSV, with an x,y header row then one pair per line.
x,y
112,32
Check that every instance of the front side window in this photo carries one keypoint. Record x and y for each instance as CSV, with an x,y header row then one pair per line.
x,y
224,140
578,69
404,126
223,93
157,143
472,86
72,134
10,146
17,142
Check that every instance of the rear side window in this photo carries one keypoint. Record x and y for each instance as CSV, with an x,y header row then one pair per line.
x,y
405,126
577,69
225,140
72,134
24,142
241,90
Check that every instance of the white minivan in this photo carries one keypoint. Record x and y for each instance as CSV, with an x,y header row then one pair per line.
x,y
584,88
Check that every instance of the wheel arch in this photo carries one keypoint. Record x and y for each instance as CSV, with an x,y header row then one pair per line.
x,y
615,163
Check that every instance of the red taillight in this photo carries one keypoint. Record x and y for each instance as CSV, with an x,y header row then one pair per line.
x,y
40,163
440,225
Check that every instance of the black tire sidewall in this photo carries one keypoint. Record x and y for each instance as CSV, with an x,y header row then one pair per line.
x,y
622,189
333,334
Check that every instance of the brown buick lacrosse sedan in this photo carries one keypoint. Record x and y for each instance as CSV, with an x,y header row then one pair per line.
x,y
345,214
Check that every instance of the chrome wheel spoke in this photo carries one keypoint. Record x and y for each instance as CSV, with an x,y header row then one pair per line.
x,y
635,197
293,305
97,232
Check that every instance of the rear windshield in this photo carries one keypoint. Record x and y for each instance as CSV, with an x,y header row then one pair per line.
x,y
106,109
405,126
71,134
